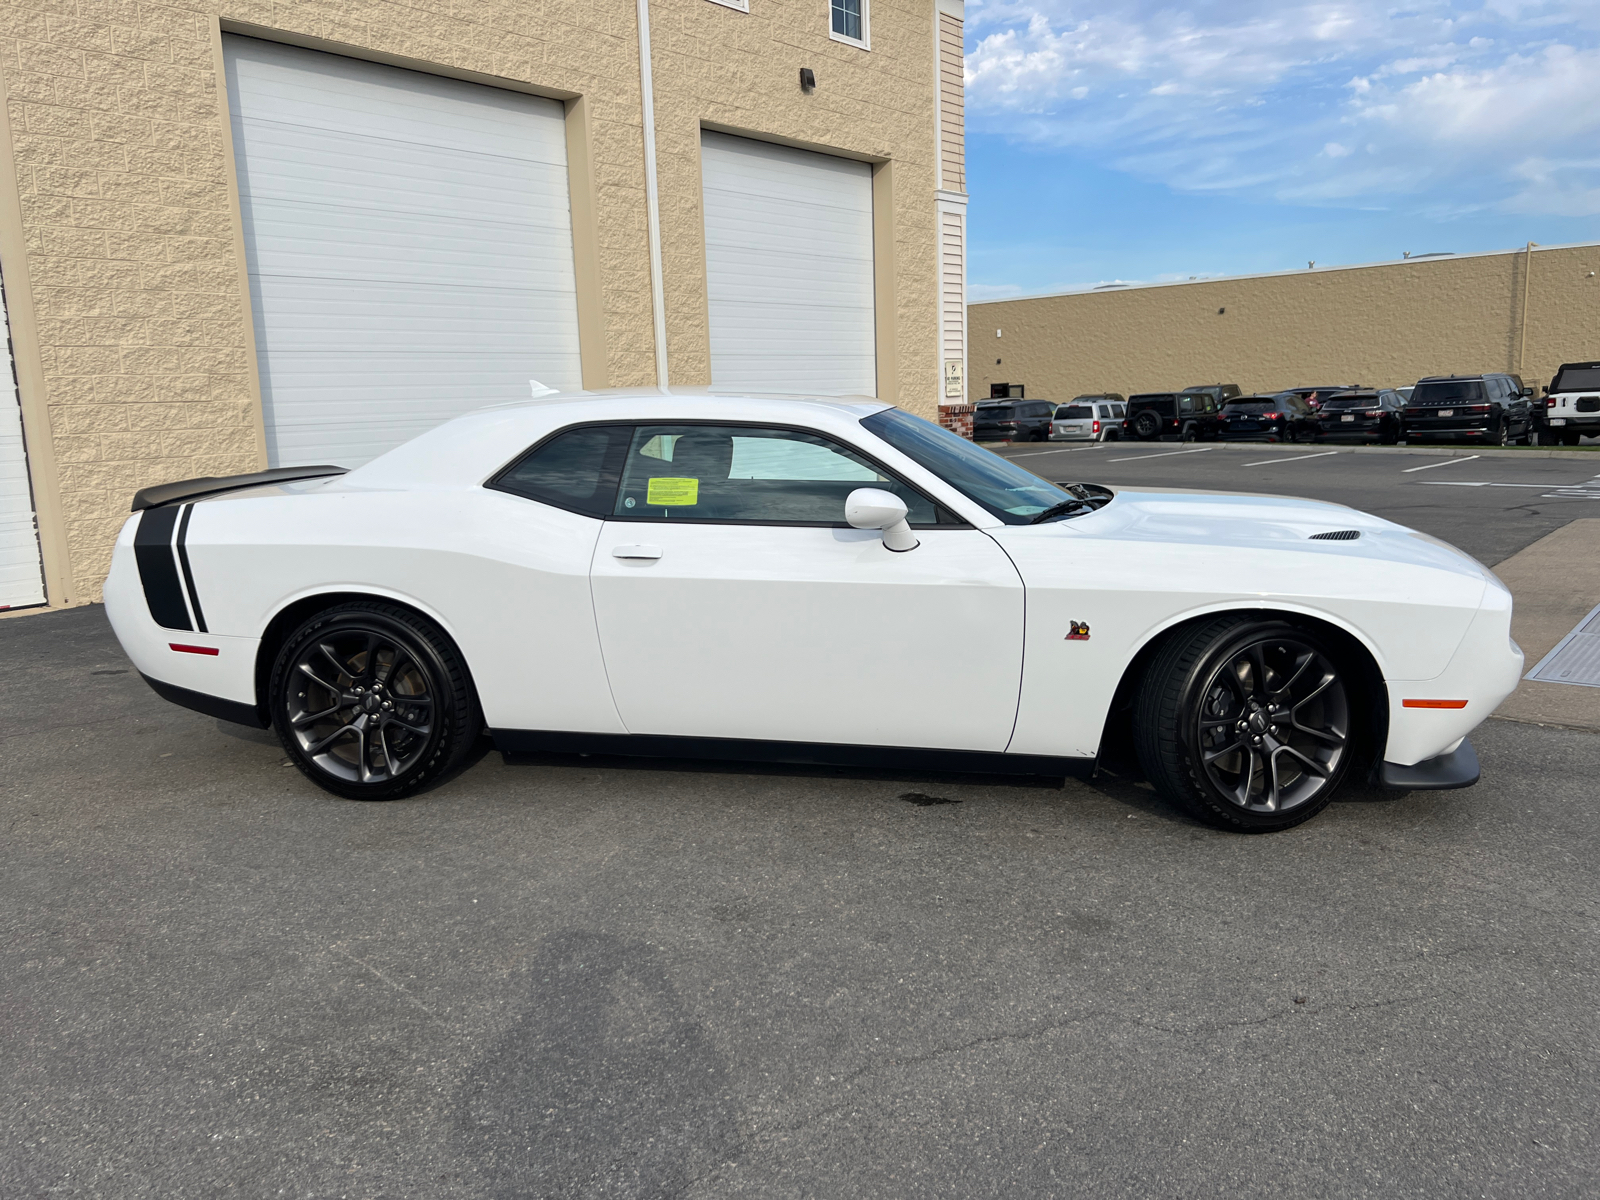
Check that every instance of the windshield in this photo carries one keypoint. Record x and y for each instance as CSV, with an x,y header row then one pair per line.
x,y
1351,402
1577,379
1074,412
1451,391
995,412
1005,489
1250,406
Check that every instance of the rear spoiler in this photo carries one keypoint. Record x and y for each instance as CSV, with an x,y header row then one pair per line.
x,y
192,489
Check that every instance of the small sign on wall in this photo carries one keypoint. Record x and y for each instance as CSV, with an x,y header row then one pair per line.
x,y
954,383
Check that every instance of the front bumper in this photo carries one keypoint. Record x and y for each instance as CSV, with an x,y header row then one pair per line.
x,y
1456,768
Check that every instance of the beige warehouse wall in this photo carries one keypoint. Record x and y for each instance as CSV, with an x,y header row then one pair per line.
x,y
123,242
1385,325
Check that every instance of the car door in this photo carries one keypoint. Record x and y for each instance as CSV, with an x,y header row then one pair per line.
x,y
733,601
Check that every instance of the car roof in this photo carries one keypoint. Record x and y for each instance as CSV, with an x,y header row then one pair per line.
x,y
472,447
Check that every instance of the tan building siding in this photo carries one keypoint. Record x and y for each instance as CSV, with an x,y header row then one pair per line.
x,y
1384,325
135,348
952,267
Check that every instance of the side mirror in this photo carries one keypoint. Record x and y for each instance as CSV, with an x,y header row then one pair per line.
x,y
1527,391
874,508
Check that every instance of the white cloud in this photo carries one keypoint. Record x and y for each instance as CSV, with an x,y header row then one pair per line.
x,y
1457,106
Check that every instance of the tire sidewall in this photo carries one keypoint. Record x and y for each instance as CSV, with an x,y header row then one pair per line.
x,y
427,656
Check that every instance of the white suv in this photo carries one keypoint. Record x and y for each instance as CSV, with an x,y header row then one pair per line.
x,y
1089,419
1572,405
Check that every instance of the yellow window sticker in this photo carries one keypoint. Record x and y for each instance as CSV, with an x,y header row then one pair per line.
x,y
670,492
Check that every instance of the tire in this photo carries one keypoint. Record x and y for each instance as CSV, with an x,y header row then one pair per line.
x,y
1504,436
1190,433
1547,437
1570,437
1147,426
1388,437
1201,686
366,666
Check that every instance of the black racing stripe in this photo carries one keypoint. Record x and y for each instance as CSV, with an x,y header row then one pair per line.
x,y
188,575
152,550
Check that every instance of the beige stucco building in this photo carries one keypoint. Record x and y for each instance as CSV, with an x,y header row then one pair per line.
x,y
1386,324
242,233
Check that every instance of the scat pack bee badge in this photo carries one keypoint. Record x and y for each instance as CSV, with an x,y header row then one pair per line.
x,y
1079,632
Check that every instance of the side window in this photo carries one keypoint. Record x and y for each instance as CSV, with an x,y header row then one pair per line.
x,y
766,476
1185,403
576,470
1118,410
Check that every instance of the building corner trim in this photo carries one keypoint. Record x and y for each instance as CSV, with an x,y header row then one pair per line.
x,y
652,198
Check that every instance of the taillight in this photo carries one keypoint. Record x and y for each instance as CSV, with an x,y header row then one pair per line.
x,y
1550,403
1476,408
1274,416
1095,427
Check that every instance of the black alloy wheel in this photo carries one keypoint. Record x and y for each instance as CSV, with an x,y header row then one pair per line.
x,y
1147,426
372,701
1246,723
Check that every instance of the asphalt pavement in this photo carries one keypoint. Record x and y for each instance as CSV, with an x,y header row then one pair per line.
x,y
587,978
1491,506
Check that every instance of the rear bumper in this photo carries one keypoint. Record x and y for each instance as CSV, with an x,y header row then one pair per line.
x,y
212,706
1456,768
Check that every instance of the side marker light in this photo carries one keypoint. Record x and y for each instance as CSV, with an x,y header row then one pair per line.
x,y
1433,703
181,648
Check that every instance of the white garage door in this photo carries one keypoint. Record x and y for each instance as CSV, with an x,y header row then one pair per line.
x,y
788,268
21,576
410,247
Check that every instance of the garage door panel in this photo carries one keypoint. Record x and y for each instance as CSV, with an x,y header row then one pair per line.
x,y
789,268
409,243
21,574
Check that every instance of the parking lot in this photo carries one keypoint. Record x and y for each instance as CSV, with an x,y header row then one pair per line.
x,y
589,977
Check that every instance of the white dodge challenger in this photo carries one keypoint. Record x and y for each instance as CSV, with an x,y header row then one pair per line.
x,y
694,575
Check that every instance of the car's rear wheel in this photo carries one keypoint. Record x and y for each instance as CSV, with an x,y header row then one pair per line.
x,y
1191,432
372,701
1246,723
1570,437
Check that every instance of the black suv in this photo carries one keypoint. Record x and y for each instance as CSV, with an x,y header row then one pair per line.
x,y
1281,418
1488,409
1378,414
1190,416
1012,420
1314,396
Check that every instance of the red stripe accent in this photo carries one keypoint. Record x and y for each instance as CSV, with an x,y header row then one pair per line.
x,y
183,649
1433,703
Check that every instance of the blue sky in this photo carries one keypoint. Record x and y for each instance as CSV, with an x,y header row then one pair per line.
x,y
1141,141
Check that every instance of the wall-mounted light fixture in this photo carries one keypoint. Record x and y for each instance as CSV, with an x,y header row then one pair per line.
x,y
808,80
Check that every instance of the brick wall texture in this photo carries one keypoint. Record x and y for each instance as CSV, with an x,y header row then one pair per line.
x,y
1386,325
119,132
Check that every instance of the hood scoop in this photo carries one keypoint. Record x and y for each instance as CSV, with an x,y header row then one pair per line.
x,y
1337,535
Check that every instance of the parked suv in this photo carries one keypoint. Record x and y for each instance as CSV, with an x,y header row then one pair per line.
x,y
1012,420
1190,416
1281,418
1370,415
1092,418
1491,409
1572,405
1220,392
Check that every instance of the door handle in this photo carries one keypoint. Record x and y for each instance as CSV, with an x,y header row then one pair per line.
x,y
636,552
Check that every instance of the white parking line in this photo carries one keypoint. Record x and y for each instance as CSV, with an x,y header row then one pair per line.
x,y
1061,450
1168,454
1459,483
1449,462
1295,457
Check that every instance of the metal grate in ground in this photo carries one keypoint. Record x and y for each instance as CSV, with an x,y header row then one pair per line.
x,y
1576,657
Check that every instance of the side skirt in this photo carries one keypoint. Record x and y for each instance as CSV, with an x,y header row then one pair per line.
x,y
514,742
212,706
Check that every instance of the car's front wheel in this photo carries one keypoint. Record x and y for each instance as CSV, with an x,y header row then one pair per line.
x,y
372,701
1246,723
